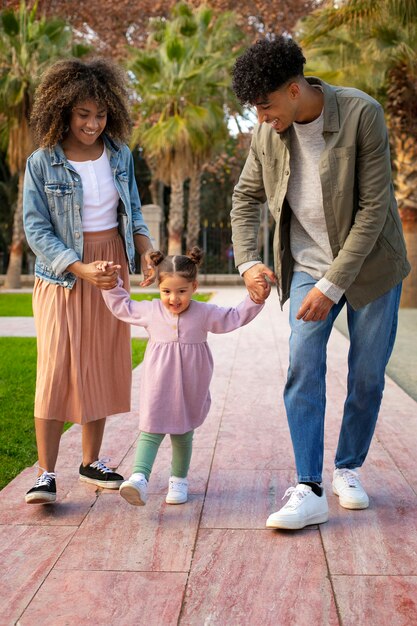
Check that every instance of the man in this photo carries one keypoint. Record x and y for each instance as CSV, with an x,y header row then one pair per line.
x,y
320,158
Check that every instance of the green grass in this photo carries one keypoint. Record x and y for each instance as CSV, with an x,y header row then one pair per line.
x,y
17,392
16,305
20,304
138,351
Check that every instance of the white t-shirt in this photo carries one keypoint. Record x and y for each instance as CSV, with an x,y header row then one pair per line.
x,y
100,197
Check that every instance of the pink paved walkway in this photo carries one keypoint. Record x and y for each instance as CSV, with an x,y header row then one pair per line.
x,y
92,559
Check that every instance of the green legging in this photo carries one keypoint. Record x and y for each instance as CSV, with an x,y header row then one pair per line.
x,y
147,449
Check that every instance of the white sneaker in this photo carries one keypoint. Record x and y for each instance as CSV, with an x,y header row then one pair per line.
x,y
178,491
135,489
302,509
347,486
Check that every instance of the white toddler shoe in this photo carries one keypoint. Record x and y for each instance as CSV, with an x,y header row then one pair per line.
x,y
135,489
178,491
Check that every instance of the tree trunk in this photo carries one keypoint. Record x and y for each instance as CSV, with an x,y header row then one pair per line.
x,y
406,192
14,268
409,293
176,215
193,221
402,112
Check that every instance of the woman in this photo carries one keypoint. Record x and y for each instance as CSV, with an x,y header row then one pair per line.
x,y
81,206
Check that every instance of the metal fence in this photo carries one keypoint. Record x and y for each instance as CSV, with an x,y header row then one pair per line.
x,y
216,243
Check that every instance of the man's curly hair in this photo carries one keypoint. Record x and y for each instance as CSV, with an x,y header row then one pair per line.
x,y
265,67
69,82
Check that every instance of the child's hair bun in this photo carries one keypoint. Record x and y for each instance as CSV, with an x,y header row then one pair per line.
x,y
156,257
196,255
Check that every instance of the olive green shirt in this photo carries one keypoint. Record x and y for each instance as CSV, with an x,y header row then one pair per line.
x,y
361,215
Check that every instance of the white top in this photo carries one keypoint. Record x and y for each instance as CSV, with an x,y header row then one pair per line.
x,y
99,194
310,245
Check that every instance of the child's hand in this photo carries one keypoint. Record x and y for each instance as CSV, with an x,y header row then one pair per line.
x,y
108,273
260,300
258,280
107,267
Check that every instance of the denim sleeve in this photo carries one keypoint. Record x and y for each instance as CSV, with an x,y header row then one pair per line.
x,y
139,226
39,230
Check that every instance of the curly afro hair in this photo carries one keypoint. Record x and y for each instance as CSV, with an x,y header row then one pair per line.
x,y
265,67
72,81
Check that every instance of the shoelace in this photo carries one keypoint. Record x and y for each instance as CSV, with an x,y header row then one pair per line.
x,y
45,479
177,486
296,494
100,465
350,477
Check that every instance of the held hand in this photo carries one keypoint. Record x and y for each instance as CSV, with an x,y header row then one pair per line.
x,y
148,270
258,279
102,274
315,307
107,266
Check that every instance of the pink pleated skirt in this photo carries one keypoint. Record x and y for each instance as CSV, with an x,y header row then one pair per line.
x,y
84,365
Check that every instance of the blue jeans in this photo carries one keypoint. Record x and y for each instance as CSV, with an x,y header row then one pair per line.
x,y
372,332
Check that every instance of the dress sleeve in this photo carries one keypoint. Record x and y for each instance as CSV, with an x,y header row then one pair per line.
x,y
120,304
226,319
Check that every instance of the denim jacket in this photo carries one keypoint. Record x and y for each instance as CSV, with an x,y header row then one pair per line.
x,y
52,206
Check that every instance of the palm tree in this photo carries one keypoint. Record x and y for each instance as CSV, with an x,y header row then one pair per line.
x,y
27,45
182,81
372,44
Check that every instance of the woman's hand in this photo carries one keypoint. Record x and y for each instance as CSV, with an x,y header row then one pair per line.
x,y
143,246
102,274
148,269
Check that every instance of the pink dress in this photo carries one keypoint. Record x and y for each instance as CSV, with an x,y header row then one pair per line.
x,y
178,364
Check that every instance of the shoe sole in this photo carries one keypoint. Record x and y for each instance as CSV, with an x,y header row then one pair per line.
x,y
132,495
169,501
293,525
353,506
37,498
112,484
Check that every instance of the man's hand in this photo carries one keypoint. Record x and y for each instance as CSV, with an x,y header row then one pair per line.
x,y
258,279
315,307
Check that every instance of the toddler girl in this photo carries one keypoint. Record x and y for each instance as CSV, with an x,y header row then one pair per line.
x,y
177,367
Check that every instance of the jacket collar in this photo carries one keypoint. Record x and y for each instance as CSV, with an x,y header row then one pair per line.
x,y
58,157
331,122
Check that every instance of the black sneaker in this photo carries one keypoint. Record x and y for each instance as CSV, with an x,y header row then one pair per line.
x,y
99,474
44,490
